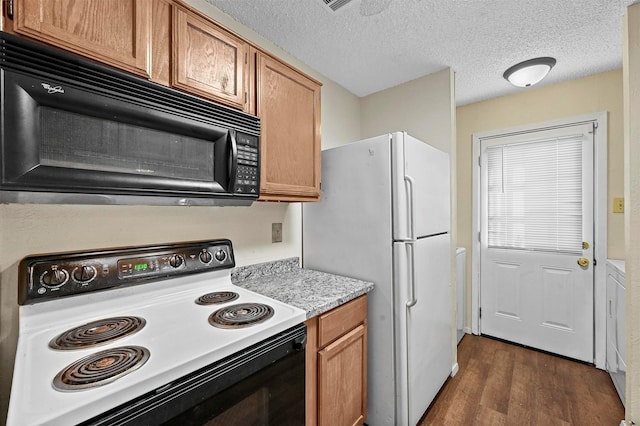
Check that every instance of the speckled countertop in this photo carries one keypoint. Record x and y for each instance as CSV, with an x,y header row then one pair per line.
x,y
315,292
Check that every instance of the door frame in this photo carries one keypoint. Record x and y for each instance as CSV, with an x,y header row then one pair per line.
x,y
599,218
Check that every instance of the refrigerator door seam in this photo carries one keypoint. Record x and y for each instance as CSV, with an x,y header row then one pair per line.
x,y
422,237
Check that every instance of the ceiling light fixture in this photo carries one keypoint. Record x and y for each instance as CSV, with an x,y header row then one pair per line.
x,y
529,72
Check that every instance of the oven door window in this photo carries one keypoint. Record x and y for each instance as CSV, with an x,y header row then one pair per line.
x,y
73,140
258,386
272,396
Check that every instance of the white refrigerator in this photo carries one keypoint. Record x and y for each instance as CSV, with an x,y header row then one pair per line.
x,y
384,217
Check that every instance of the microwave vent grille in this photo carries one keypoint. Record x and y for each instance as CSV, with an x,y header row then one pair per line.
x,y
64,68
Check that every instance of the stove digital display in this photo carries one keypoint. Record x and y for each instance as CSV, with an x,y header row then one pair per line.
x,y
142,266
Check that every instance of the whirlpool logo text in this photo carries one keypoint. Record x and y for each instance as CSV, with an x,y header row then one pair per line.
x,y
52,89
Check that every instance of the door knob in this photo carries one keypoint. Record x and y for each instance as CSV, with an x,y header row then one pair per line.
x,y
583,261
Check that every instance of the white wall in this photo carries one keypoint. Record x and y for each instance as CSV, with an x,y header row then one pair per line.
x,y
631,71
424,108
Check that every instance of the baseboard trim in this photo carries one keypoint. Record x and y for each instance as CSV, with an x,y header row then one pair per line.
x,y
454,369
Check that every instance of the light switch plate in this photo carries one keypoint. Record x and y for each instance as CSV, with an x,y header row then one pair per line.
x,y
618,205
276,232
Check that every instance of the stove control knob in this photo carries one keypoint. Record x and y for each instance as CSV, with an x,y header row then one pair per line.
x,y
84,274
55,278
205,256
221,255
176,260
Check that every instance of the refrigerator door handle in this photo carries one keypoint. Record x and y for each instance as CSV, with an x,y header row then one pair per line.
x,y
412,275
411,185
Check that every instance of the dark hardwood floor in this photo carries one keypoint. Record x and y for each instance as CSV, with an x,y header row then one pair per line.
x,y
503,384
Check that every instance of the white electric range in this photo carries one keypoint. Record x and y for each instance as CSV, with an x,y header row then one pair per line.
x,y
104,335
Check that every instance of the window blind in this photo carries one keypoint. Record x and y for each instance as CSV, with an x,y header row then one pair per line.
x,y
535,195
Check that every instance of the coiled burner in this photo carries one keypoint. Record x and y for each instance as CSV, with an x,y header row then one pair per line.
x,y
98,332
217,297
101,368
240,315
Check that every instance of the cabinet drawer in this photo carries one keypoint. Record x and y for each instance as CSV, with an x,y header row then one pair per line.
x,y
337,322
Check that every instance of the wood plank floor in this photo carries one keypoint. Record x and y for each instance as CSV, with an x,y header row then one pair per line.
x,y
503,384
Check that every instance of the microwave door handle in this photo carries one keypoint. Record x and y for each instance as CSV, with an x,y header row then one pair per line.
x,y
233,160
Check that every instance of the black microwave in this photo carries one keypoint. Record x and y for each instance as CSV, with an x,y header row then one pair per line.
x,y
74,131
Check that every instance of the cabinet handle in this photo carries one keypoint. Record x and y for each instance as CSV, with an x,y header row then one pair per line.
x,y
610,311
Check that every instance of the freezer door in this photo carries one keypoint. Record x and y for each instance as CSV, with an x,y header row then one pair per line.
x,y
424,324
349,232
421,195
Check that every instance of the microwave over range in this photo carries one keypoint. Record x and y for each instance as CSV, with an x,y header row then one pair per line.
x,y
74,131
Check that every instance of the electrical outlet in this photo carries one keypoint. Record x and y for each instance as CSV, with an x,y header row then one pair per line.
x,y
276,232
618,205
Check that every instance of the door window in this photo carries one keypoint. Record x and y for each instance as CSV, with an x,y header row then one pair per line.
x,y
534,195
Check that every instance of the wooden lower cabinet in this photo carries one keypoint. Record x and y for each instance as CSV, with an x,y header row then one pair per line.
x,y
337,366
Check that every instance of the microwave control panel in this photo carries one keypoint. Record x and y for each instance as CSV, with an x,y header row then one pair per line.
x,y
248,175
49,277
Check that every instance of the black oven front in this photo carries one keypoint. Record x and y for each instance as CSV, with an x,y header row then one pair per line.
x,y
261,385
74,130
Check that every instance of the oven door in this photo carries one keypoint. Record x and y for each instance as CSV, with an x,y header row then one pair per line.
x,y
262,385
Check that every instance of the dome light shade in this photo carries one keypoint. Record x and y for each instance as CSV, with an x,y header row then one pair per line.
x,y
529,72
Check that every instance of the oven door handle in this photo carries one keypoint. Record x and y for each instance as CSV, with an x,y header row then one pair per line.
x,y
300,343
233,161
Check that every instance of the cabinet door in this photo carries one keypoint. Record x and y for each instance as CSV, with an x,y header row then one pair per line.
x,y
161,22
611,324
116,32
209,61
342,380
289,108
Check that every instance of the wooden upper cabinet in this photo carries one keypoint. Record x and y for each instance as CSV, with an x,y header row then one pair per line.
x,y
115,32
288,104
161,21
209,61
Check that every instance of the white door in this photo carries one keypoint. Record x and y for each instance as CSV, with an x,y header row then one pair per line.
x,y
536,240
423,313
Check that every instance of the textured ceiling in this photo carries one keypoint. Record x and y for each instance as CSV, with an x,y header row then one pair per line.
x,y
371,45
